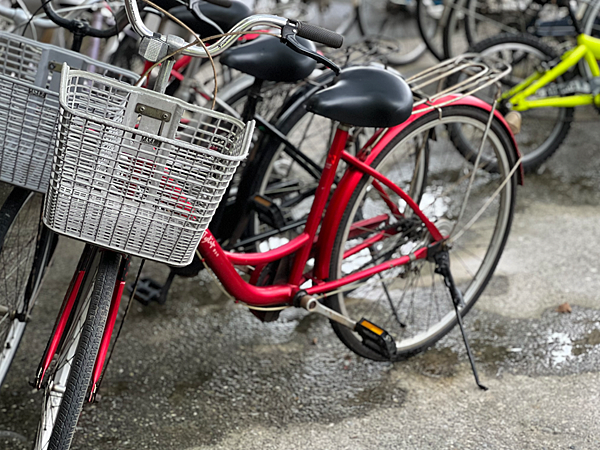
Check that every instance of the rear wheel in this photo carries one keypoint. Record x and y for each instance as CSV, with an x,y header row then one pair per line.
x,y
69,375
411,301
25,250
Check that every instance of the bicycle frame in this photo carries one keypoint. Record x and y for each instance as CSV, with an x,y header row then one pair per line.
x,y
320,246
306,245
588,48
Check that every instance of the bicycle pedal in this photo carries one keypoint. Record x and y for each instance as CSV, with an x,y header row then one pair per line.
x,y
147,291
268,211
376,338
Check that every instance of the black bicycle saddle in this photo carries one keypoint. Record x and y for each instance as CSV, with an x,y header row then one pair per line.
x,y
365,97
266,58
225,18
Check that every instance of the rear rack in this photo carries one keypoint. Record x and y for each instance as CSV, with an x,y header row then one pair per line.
x,y
430,85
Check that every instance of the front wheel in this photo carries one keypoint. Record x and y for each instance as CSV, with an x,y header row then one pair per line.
x,y
70,372
411,301
26,248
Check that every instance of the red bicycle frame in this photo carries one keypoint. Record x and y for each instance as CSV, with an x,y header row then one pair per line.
x,y
308,244
321,246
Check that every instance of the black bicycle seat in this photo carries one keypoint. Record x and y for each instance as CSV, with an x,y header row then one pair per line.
x,y
266,58
365,97
225,18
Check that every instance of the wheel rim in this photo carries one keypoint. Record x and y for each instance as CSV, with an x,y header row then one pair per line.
x,y
421,301
16,263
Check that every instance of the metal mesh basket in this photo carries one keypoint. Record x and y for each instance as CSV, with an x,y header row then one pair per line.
x,y
29,84
137,171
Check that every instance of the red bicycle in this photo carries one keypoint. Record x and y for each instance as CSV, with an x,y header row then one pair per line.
x,y
394,256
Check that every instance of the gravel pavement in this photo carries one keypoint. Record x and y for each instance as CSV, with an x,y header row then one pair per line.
x,y
202,373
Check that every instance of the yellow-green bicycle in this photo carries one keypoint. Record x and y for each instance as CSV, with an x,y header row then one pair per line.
x,y
544,86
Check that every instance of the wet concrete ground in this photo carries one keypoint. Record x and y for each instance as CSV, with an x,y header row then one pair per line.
x,y
202,373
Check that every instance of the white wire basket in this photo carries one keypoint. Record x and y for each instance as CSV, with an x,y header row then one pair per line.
x,y
29,85
137,171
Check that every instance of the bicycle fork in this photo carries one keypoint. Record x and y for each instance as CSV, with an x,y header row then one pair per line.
x,y
64,320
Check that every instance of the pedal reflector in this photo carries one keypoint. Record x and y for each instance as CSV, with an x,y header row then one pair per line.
x,y
376,338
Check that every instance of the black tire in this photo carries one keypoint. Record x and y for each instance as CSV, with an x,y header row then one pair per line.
x,y
26,248
422,311
394,22
430,18
543,129
77,354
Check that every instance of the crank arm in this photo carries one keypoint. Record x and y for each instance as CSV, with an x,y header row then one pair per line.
x,y
312,305
374,337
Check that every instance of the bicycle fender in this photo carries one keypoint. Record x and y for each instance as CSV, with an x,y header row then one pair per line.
x,y
348,183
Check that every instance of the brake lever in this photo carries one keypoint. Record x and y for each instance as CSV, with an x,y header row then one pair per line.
x,y
289,37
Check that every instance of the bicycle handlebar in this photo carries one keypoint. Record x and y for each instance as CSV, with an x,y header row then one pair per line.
x,y
311,32
320,35
77,26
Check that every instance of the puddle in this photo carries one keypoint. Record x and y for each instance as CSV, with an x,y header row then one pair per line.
x,y
560,346
586,343
556,344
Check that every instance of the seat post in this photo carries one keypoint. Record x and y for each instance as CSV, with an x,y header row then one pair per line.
x,y
253,100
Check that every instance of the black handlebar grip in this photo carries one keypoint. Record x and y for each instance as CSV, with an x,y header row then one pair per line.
x,y
320,35
223,3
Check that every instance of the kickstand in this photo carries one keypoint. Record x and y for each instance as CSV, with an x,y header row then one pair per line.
x,y
442,260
